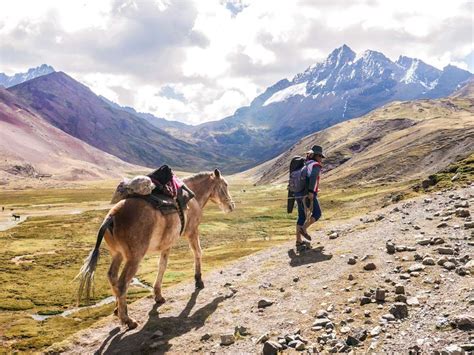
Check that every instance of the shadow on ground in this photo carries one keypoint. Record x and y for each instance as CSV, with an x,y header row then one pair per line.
x,y
309,256
143,341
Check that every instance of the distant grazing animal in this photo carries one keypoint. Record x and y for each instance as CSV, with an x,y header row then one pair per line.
x,y
16,217
133,228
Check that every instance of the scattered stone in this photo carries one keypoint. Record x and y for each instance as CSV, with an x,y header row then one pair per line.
x,y
350,277
364,300
404,276
321,314
227,339
347,310
367,313
423,241
416,267
442,260
464,321
321,322
356,338
369,266
437,240
428,261
461,204
390,247
380,295
400,248
263,303
445,251
442,225
296,279
389,317
470,266
449,265
461,271
399,289
345,330
462,212
334,235
241,330
469,225
400,298
376,331
413,301
351,261
399,310
206,337
467,347
271,348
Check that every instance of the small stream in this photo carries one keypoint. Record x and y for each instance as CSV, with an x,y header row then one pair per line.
x,y
105,301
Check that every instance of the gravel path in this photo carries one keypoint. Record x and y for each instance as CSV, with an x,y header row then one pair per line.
x,y
323,299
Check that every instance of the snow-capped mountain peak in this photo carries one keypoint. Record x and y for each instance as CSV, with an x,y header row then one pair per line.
x,y
8,81
345,74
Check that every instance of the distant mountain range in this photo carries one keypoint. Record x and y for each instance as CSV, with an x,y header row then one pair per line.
x,y
75,109
7,81
398,142
342,87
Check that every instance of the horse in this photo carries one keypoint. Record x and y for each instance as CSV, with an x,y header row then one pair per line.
x,y
133,228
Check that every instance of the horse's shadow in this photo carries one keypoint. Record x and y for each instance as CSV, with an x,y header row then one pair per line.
x,y
310,256
143,341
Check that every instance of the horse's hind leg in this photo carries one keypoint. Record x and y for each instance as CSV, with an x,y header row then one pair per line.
x,y
196,247
159,278
112,274
129,270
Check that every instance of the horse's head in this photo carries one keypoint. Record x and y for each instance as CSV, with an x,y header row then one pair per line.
x,y
220,192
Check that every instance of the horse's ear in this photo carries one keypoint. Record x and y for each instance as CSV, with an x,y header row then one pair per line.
x,y
217,173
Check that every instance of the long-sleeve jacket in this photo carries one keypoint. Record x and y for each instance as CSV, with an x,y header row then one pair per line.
x,y
313,174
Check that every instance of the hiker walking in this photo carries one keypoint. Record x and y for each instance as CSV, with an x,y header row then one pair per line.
x,y
304,183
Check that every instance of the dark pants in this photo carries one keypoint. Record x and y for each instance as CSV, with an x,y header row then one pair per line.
x,y
315,213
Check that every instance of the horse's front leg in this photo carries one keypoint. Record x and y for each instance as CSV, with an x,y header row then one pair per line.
x,y
159,278
196,247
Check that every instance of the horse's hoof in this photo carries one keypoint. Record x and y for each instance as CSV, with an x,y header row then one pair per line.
x,y
160,300
131,324
199,285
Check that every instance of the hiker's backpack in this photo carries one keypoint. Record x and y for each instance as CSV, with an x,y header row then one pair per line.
x,y
298,171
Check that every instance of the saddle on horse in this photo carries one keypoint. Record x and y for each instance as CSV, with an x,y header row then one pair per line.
x,y
168,193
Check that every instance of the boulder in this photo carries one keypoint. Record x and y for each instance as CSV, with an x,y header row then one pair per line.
x,y
449,265
380,295
271,348
445,251
263,303
399,310
390,247
428,261
369,266
399,289
227,339
462,212
464,321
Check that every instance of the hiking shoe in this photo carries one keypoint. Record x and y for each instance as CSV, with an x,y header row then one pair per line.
x,y
304,233
303,245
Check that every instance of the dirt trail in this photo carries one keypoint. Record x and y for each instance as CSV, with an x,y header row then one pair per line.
x,y
320,281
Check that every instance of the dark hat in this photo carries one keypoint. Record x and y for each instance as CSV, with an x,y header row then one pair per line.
x,y
317,149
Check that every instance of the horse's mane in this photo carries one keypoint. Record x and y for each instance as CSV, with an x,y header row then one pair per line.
x,y
197,176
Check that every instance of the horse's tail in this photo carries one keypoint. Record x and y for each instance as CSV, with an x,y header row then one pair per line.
x,y
86,274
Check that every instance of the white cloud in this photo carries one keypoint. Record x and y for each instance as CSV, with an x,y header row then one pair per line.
x,y
218,54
